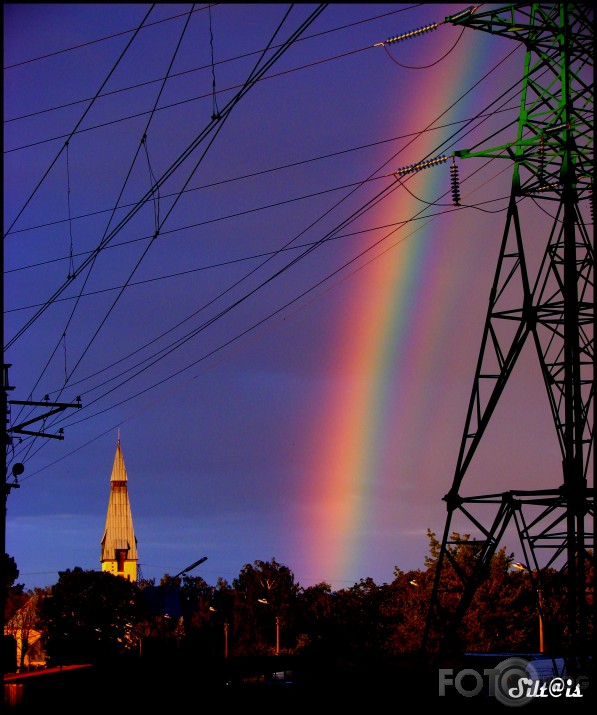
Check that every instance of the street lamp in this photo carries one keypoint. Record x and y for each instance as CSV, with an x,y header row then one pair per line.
x,y
523,567
267,603
176,588
191,567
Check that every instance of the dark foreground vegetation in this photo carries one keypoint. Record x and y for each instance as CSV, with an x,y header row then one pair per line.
x,y
263,637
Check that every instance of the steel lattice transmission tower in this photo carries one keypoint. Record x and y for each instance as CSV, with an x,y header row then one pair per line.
x,y
552,158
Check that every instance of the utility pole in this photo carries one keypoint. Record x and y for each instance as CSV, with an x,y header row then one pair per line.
x,y
51,408
277,635
550,302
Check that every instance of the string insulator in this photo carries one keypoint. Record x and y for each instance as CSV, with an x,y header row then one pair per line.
x,y
558,128
455,184
462,14
554,186
413,168
412,33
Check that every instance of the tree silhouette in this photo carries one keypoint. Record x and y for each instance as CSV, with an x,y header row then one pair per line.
x,y
89,616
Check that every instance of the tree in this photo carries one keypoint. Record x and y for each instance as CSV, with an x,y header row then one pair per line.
x,y
494,622
498,618
315,624
265,606
12,599
406,606
198,624
89,616
23,627
13,594
221,618
359,617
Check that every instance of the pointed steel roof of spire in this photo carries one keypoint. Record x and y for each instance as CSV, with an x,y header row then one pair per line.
x,y
118,469
119,532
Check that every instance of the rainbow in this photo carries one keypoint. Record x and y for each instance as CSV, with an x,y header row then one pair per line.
x,y
381,409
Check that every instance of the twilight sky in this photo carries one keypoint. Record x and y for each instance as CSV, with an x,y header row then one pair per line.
x,y
283,330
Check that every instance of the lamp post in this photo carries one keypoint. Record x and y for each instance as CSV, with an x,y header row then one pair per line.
x,y
523,567
191,567
180,573
215,610
267,603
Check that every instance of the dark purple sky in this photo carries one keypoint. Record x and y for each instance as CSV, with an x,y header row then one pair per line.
x,y
284,334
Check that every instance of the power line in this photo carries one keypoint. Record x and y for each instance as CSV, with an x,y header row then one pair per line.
x,y
250,175
72,133
269,279
96,41
179,74
258,71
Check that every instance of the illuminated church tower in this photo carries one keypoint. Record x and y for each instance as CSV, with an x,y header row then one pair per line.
x,y
119,544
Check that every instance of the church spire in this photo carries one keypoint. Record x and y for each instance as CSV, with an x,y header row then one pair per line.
x,y
119,544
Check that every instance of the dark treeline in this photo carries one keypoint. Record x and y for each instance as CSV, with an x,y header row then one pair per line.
x,y
92,615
